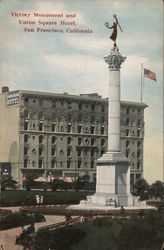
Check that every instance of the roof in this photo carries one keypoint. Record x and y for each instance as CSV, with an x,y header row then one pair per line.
x,y
88,96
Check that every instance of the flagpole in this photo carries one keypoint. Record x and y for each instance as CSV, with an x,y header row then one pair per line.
x,y
141,80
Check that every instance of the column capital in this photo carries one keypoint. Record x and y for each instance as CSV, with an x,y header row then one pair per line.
x,y
115,59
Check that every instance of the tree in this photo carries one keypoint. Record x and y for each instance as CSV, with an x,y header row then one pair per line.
x,y
29,182
157,189
57,184
7,182
141,188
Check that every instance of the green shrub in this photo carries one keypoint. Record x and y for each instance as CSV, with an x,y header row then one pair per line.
x,y
23,197
60,239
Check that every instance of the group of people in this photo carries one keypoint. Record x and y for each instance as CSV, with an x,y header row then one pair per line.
x,y
39,199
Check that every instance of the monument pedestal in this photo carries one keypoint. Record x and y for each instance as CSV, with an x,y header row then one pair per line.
x,y
113,182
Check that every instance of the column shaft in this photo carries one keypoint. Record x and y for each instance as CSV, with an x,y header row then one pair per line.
x,y
114,111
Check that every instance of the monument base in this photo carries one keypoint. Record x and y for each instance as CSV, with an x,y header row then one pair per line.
x,y
112,185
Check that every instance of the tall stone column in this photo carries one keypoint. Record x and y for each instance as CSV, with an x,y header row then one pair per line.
x,y
112,181
114,60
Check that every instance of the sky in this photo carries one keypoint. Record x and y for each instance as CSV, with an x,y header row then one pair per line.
x,y
73,62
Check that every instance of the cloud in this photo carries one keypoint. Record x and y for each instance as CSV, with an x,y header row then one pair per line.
x,y
87,43
73,62
60,7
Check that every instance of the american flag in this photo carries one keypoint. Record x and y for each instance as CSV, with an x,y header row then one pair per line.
x,y
148,73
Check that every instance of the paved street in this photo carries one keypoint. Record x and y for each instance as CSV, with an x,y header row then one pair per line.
x,y
7,237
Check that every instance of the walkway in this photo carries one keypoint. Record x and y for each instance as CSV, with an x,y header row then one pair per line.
x,y
7,237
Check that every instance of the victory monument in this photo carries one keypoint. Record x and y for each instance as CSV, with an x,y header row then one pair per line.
x,y
113,168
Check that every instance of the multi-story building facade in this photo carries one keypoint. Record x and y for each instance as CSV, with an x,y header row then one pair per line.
x,y
62,135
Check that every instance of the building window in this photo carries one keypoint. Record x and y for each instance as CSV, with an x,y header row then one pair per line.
x,y
68,152
62,128
79,141
25,163
92,164
25,151
139,144
25,138
53,125
127,122
133,123
92,129
139,123
138,132
92,153
138,165
40,126
52,151
26,113
33,126
138,177
139,110
138,154
69,106
131,179
26,125
102,142
69,140
79,163
40,151
92,107
127,111
61,164
40,102
79,129
26,101
80,106
102,108
127,153
79,152
92,141
102,130
68,164
53,139
127,143
69,128
40,138
34,101
127,132
53,163
53,104
86,130
40,115
40,163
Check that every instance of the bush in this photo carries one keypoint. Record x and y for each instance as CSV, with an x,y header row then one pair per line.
x,y
20,197
60,239
17,219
